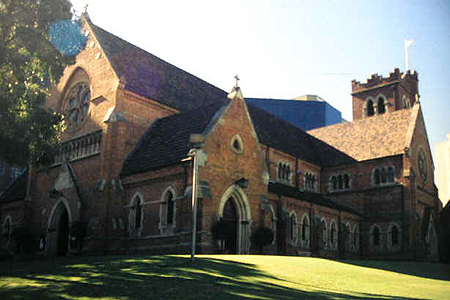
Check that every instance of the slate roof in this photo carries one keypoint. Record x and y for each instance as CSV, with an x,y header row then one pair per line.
x,y
151,77
166,142
372,137
279,134
17,190
319,199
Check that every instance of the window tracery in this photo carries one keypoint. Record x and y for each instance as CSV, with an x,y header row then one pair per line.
x,y
340,182
383,175
136,216
168,211
310,181
284,172
77,105
305,234
293,232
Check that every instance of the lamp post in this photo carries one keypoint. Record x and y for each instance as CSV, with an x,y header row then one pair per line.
x,y
197,141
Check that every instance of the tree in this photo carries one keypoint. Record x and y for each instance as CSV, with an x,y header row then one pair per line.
x,y
29,65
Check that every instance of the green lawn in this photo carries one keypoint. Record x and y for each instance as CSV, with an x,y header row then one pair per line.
x,y
221,277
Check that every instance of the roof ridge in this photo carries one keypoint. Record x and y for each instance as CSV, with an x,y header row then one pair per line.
x,y
363,120
372,137
412,124
312,142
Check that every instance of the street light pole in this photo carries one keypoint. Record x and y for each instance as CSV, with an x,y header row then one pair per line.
x,y
196,140
194,202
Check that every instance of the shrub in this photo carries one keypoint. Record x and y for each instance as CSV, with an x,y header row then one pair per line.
x,y
263,236
23,240
78,233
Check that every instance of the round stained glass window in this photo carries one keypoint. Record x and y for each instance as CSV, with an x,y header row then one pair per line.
x,y
423,167
77,105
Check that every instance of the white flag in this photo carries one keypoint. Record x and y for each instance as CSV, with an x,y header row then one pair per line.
x,y
408,43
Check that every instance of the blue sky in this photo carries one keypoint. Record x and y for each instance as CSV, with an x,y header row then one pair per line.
x,y
284,49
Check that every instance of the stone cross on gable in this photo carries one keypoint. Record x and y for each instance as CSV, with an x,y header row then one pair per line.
x,y
86,7
237,79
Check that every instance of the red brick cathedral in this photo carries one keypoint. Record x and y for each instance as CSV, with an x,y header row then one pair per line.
x,y
123,177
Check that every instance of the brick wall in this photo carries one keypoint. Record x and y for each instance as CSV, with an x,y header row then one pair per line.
x,y
393,88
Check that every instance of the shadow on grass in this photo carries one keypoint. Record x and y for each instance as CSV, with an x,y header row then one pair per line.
x,y
428,270
150,277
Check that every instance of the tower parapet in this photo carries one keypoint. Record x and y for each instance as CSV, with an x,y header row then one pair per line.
x,y
384,94
378,80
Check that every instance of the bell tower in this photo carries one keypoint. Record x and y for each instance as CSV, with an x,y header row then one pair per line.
x,y
381,95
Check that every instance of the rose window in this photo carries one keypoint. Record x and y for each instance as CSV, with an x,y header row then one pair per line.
x,y
77,105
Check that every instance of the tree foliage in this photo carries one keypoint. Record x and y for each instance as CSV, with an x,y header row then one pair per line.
x,y
263,236
29,65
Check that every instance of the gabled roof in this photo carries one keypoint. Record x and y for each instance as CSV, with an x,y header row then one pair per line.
x,y
284,136
17,190
372,137
166,142
319,199
149,76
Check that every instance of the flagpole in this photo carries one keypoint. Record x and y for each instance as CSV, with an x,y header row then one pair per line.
x,y
406,56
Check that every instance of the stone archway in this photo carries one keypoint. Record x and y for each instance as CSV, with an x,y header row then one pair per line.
x,y
230,218
235,210
58,229
431,243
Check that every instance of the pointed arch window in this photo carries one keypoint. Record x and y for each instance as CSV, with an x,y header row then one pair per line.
x,y
346,181
370,110
348,241
377,176
355,238
333,235
383,175
310,181
334,182
394,236
7,227
376,236
135,217
406,102
170,208
324,232
390,175
293,228
305,228
340,182
138,210
167,211
381,105
270,221
284,172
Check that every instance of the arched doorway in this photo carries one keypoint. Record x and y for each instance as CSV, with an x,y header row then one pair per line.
x,y
231,220
431,243
63,233
58,229
235,211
